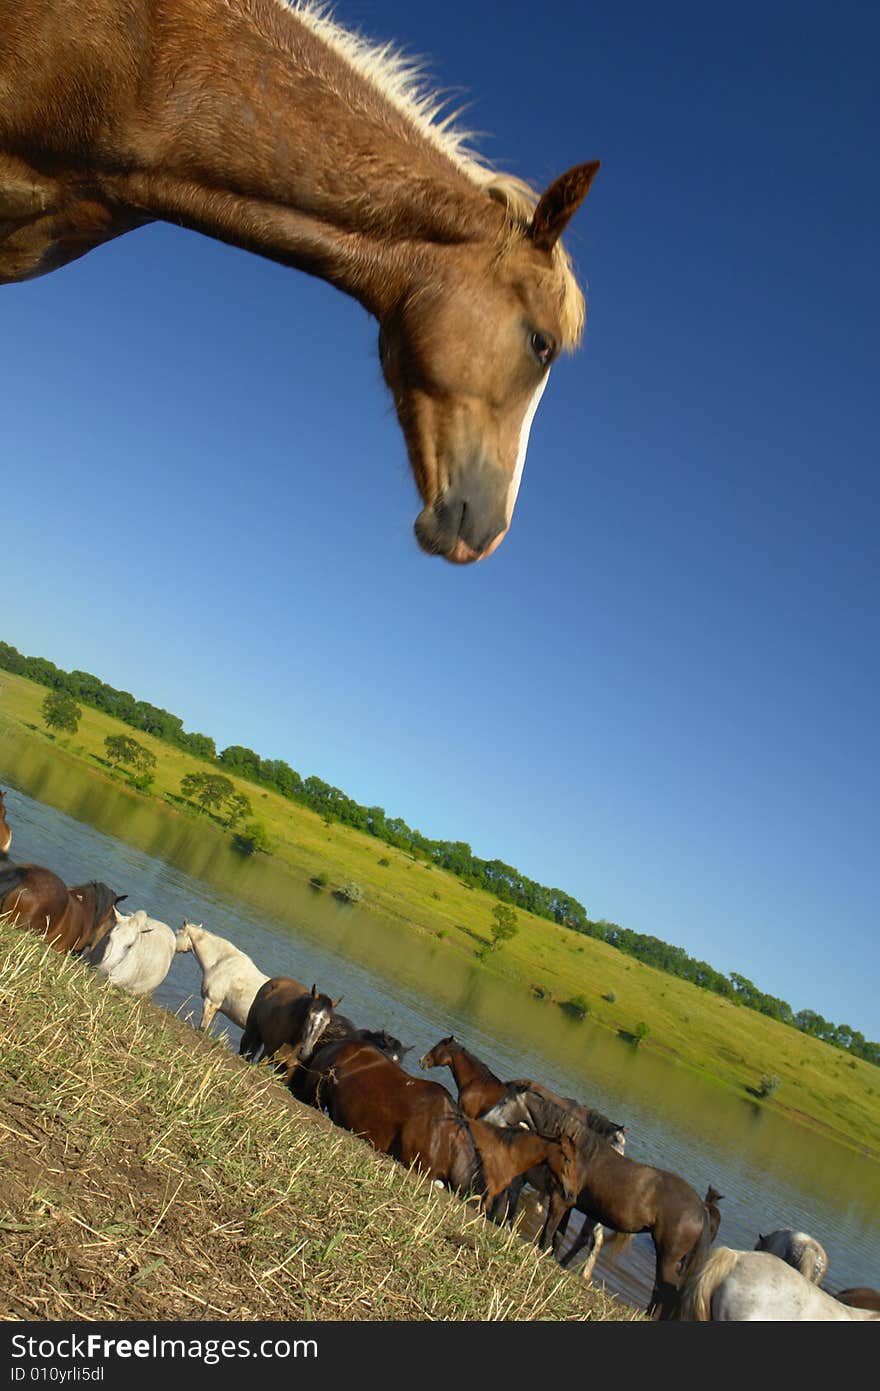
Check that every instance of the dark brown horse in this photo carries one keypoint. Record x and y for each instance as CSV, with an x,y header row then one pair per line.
x,y
631,1197
590,1236
267,1028
285,1015
478,1087
269,127
342,1028
409,1118
5,830
70,919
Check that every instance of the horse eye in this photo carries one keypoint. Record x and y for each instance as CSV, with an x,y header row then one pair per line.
x,y
543,347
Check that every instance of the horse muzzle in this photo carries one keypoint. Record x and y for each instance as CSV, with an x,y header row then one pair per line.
x,y
469,520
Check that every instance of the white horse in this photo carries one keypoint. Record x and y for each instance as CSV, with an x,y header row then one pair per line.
x,y
754,1286
230,980
136,953
801,1251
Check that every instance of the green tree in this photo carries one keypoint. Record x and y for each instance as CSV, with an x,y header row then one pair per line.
x,y
251,838
351,892
60,711
505,926
121,748
767,1085
238,807
208,790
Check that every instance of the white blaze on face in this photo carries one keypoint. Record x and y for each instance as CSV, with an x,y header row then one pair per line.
x,y
525,430
317,1023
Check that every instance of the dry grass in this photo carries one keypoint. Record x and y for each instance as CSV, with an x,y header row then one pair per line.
x,y
148,1174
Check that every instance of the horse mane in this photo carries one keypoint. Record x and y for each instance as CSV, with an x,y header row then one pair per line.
x,y
381,1039
586,1132
104,899
401,82
509,1134
341,1029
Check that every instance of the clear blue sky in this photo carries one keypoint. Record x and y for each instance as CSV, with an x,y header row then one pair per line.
x,y
661,693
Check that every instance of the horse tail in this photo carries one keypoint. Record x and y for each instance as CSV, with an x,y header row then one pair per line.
x,y
466,1170
695,1257
695,1301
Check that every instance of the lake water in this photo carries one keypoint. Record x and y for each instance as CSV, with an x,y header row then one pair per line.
x,y
772,1172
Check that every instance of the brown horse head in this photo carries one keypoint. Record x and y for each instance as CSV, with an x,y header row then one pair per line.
x,y
467,357
562,1161
439,1055
99,902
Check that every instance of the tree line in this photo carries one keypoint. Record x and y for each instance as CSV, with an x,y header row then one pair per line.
x,y
503,881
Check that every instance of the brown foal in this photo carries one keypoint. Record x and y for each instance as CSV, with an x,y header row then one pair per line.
x,y
267,125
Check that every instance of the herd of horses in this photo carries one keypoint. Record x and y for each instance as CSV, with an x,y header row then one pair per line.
x,y
486,1145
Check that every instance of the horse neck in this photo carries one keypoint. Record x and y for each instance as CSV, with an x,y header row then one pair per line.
x,y
525,1149
466,1069
258,132
205,947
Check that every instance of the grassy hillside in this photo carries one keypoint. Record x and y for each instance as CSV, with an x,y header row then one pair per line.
x,y
818,1084
149,1174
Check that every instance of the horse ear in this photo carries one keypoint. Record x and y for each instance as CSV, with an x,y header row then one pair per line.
x,y
119,898
313,992
334,1003
558,205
